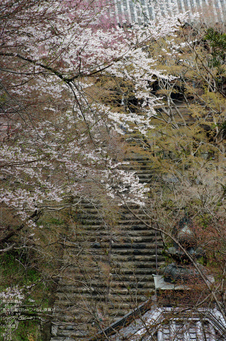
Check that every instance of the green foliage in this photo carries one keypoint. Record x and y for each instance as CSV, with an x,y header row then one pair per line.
x,y
56,221
16,271
28,330
217,41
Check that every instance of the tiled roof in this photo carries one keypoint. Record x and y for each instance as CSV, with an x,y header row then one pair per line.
x,y
169,324
140,11
190,328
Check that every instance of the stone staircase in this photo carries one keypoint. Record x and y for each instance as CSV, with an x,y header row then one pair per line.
x,y
107,268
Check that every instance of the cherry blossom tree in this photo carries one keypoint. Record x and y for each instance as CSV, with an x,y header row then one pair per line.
x,y
55,148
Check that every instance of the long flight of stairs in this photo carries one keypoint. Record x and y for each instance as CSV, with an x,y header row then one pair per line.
x,y
108,268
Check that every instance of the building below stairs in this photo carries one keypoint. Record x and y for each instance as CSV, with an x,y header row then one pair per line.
x,y
167,324
156,321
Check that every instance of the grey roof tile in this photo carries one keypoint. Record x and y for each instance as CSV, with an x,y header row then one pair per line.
x,y
145,10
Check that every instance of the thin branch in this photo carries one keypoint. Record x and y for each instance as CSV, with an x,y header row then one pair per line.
x,y
34,216
8,248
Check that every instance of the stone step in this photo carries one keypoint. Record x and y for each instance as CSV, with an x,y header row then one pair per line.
x,y
115,261
134,286
125,229
111,255
118,288
127,243
89,285
135,234
70,285
114,279
102,240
